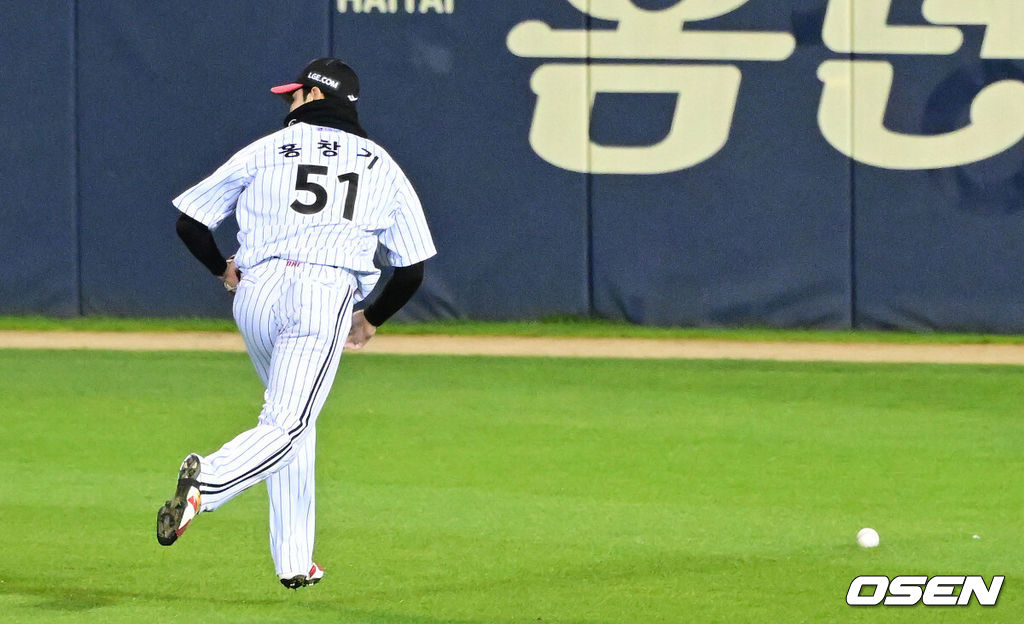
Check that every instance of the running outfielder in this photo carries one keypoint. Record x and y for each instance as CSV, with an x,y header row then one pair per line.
x,y
313,201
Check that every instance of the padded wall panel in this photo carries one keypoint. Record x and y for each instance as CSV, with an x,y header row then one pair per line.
x,y
168,92
749,222
444,94
38,214
939,242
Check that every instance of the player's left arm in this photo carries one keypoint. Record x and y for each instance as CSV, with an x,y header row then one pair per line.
x,y
200,242
204,206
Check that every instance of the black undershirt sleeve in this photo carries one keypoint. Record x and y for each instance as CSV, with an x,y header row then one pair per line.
x,y
199,240
396,293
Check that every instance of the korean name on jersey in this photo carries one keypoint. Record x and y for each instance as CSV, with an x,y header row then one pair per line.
x,y
318,195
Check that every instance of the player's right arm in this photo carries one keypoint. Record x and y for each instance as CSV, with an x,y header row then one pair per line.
x,y
400,287
409,245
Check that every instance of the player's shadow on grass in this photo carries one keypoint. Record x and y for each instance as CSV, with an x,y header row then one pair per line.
x,y
66,598
81,599
63,599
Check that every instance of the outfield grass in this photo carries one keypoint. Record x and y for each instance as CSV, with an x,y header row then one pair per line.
x,y
489,490
552,327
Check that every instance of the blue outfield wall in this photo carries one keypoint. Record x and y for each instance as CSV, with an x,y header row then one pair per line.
x,y
167,92
787,163
38,214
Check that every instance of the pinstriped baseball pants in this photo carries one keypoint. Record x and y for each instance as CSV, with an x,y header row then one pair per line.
x,y
294,319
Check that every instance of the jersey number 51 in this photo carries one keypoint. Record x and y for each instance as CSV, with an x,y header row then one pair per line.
x,y
303,183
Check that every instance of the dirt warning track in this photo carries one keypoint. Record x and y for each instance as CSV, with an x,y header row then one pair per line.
x,y
547,347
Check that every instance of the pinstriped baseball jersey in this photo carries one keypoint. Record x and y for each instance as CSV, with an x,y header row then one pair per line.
x,y
318,195
314,204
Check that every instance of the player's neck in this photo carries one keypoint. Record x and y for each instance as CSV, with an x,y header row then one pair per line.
x,y
332,114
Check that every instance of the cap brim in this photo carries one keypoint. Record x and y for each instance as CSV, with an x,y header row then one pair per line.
x,y
286,88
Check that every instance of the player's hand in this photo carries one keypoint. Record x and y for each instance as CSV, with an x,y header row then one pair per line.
x,y
360,333
231,276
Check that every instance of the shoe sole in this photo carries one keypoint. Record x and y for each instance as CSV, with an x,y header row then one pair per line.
x,y
169,516
296,582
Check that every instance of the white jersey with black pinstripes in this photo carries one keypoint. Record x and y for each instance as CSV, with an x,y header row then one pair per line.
x,y
312,204
318,195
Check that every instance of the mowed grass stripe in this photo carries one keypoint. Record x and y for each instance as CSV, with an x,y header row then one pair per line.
x,y
473,489
564,327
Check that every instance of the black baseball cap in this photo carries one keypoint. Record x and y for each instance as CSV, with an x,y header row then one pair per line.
x,y
331,75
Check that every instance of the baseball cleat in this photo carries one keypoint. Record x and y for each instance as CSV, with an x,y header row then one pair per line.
x,y
176,514
303,580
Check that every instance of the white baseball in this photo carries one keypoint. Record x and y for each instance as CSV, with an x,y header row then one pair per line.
x,y
868,538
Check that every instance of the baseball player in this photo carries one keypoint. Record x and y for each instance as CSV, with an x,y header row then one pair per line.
x,y
313,202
